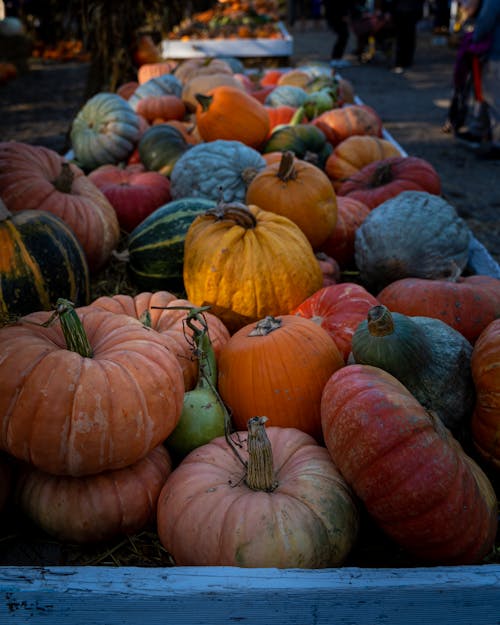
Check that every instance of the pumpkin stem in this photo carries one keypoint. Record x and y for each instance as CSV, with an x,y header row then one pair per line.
x,y
380,321
204,100
235,211
297,116
382,175
260,470
266,326
286,170
64,180
72,327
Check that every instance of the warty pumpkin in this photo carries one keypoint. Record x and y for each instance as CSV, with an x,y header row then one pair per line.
x,y
247,263
280,502
94,508
35,177
485,364
227,112
300,191
91,392
412,476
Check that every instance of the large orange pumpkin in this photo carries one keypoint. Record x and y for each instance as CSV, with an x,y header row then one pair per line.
x,y
297,190
353,119
278,367
91,392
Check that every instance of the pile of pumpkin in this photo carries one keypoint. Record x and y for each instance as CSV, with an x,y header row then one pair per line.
x,y
304,343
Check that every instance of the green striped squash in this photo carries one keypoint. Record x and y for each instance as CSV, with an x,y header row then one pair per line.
x,y
40,261
156,245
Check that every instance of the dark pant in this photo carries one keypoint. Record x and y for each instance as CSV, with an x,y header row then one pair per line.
x,y
405,29
336,18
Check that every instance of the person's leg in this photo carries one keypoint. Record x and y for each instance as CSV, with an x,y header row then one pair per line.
x,y
340,27
406,38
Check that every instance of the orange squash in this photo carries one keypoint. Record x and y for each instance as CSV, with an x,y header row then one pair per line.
x,y
164,107
352,119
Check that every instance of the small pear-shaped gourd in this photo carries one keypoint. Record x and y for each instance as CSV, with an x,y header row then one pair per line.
x,y
426,355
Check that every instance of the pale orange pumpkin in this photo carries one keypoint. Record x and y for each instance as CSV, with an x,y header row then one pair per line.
x,y
152,70
164,107
351,119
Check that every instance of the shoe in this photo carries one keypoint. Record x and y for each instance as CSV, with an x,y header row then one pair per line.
x,y
398,70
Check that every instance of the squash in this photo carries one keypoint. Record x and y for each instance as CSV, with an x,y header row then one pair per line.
x,y
278,366
289,95
202,83
247,263
40,261
351,119
306,141
414,234
466,303
486,375
105,130
216,170
431,359
161,107
197,66
95,391
165,84
152,70
300,191
383,179
412,476
338,309
226,112
155,247
160,147
132,191
94,508
6,480
280,503
35,177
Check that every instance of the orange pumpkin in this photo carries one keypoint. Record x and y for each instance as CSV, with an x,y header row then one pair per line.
x,y
230,113
485,365
300,191
165,107
278,367
152,70
352,119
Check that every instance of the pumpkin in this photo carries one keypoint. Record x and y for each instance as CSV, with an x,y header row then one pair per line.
x,y
202,83
300,191
165,313
35,177
414,234
486,375
144,50
297,77
165,84
329,267
6,479
40,261
354,153
126,89
155,248
226,112
338,309
412,476
289,95
94,508
133,192
351,119
164,107
279,115
93,392
152,70
306,141
271,76
466,303
214,170
278,367
431,359
381,180
105,130
160,147
247,263
340,244
188,68
284,504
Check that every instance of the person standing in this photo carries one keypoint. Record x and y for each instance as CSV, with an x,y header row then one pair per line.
x,y
336,14
405,16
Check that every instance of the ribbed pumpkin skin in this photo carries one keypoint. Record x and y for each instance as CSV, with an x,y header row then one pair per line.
x,y
248,273
71,415
169,321
208,516
40,261
467,305
156,245
96,507
280,375
34,177
413,477
356,119
105,130
485,364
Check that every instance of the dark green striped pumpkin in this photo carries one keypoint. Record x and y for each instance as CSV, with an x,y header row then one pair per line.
x,y
40,261
156,245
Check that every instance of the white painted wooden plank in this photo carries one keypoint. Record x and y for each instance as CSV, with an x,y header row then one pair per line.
x,y
205,596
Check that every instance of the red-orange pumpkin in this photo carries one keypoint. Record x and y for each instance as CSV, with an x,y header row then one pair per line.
x,y
338,309
164,107
346,121
468,304
413,477
485,365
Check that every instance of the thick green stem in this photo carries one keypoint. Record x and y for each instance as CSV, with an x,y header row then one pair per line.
x,y
260,469
72,327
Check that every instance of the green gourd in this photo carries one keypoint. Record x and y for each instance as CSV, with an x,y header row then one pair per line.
x,y
426,355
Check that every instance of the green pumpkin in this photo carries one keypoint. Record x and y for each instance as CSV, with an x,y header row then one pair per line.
x,y
289,95
427,355
306,141
156,245
104,131
40,261
160,147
